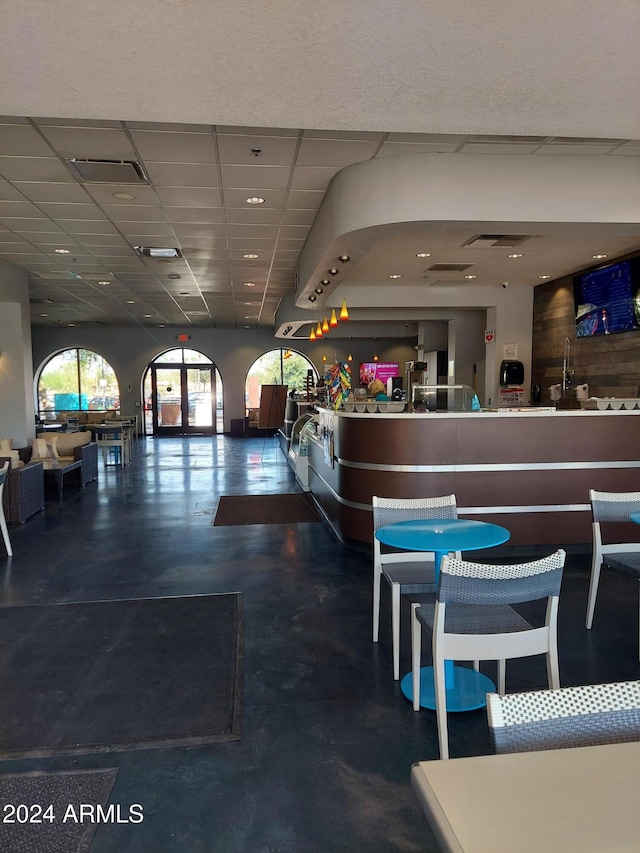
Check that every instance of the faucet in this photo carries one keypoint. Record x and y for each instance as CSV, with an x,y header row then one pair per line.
x,y
567,373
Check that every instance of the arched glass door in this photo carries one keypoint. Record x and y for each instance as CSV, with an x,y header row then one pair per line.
x,y
183,394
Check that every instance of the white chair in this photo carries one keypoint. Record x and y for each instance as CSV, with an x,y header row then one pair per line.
x,y
407,572
113,442
472,619
612,508
588,715
3,521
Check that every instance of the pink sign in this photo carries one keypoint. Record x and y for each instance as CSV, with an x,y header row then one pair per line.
x,y
382,370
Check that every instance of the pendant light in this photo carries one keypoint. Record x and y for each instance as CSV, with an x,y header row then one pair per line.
x,y
375,357
325,324
344,312
319,330
312,334
349,357
333,322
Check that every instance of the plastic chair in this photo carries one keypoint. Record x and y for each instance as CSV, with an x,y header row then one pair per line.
x,y
472,619
3,521
407,572
572,716
612,507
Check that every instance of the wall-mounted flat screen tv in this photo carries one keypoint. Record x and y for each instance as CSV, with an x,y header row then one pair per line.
x,y
381,370
607,300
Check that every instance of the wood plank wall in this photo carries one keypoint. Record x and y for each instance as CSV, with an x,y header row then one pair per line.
x,y
609,363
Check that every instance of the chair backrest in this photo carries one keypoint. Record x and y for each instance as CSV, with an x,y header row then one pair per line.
x,y
613,506
391,510
570,716
3,475
464,582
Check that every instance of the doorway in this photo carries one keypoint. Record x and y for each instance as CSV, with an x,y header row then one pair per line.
x,y
183,399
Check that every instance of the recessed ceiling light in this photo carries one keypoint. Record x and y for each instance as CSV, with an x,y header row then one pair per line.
x,y
124,196
255,199
514,255
148,315
249,284
319,291
247,317
184,293
395,275
246,327
62,251
44,315
344,259
251,256
544,276
131,301
174,275
312,298
325,281
103,283
70,324
161,325
333,271
471,276
423,255
595,257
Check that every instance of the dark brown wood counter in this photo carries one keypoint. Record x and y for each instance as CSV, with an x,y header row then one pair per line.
x,y
529,471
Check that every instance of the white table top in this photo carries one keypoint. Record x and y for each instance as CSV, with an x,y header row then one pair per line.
x,y
558,801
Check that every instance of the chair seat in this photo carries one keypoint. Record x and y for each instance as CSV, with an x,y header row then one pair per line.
x,y
471,619
410,575
628,562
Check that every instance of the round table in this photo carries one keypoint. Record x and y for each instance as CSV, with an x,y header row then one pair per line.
x,y
466,688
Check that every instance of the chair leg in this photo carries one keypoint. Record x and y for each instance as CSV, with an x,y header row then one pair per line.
x,y
395,625
502,677
377,575
416,650
5,532
441,705
593,587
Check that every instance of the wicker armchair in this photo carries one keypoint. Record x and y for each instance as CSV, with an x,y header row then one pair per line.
x,y
23,493
571,716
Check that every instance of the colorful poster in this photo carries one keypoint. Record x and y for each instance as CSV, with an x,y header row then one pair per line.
x,y
382,370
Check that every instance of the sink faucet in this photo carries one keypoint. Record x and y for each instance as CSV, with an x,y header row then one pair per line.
x,y
567,373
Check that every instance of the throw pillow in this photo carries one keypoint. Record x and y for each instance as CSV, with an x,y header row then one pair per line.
x,y
44,448
6,445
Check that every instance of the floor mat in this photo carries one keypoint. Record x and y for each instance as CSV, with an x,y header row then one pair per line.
x,y
265,509
47,815
103,676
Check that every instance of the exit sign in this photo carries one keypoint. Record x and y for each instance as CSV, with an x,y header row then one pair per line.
x,y
183,338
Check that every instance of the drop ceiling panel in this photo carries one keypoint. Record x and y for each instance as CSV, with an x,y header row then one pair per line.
x,y
255,177
210,215
9,192
88,226
391,148
261,215
64,193
249,231
28,226
190,196
238,198
374,136
19,208
121,213
299,217
182,174
575,149
101,240
174,147
71,211
143,230
304,199
22,140
34,169
496,148
335,152
274,150
104,194
312,177
90,143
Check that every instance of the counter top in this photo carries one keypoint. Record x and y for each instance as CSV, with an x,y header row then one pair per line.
x,y
533,411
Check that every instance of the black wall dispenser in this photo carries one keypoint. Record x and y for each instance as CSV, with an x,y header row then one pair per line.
x,y
511,373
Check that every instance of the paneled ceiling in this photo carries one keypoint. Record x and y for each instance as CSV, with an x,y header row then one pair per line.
x,y
76,236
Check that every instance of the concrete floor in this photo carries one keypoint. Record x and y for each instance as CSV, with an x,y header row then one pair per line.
x,y
328,739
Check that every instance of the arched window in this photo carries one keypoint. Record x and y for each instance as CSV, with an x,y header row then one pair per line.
x,y
277,367
77,380
183,394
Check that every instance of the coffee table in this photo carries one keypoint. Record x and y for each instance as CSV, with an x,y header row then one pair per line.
x,y
54,470
466,688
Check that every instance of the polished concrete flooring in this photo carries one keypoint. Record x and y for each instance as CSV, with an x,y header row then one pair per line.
x,y
328,740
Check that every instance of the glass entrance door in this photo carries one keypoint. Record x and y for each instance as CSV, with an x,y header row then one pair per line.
x,y
183,399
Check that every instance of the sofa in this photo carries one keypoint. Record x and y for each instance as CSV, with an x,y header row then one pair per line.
x,y
23,493
66,447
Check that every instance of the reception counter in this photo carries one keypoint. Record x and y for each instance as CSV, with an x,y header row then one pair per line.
x,y
529,471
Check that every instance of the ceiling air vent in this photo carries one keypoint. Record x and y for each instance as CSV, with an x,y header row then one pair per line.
x,y
496,241
449,267
43,301
107,171
158,252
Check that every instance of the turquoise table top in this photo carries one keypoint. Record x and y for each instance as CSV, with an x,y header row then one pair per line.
x,y
442,535
635,516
